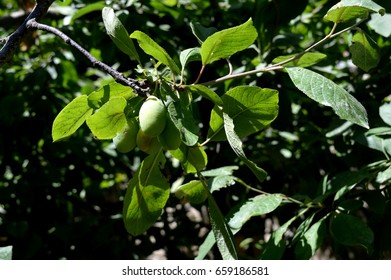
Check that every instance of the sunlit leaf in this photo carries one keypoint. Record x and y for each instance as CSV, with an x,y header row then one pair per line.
x,y
220,177
193,192
6,253
236,145
306,60
327,93
193,159
385,113
381,24
221,181
146,195
109,120
225,43
251,108
118,33
375,142
98,6
257,206
221,231
311,240
303,227
207,93
150,47
189,55
275,247
183,119
71,117
221,171
352,9
99,97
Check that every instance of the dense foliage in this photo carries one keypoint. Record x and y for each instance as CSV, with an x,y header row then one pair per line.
x,y
301,171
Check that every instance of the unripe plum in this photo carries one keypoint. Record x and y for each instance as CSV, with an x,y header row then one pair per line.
x,y
125,141
152,116
147,144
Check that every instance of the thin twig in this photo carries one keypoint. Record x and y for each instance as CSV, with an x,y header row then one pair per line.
x,y
280,65
139,86
11,43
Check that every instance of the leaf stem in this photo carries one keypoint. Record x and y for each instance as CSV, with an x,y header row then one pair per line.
x,y
290,199
200,74
230,67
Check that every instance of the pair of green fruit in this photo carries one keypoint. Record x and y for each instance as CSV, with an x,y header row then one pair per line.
x,y
153,130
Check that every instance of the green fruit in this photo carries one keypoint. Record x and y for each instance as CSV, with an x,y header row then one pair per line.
x,y
125,141
170,138
147,144
152,116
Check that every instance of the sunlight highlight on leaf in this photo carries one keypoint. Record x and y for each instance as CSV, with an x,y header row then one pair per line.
x,y
327,93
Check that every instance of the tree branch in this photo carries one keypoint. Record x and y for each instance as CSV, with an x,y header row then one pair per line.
x,y
12,42
140,87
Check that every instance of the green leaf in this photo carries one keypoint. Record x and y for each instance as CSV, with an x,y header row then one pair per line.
x,y
225,43
71,117
352,9
193,192
257,206
207,93
327,93
381,24
250,107
193,159
303,227
351,231
385,113
306,60
342,183
146,195
311,240
275,247
382,131
236,145
109,120
365,52
184,121
189,55
165,7
375,142
221,171
150,47
220,177
221,231
98,6
384,176
221,181
99,97
118,33
6,253
201,32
